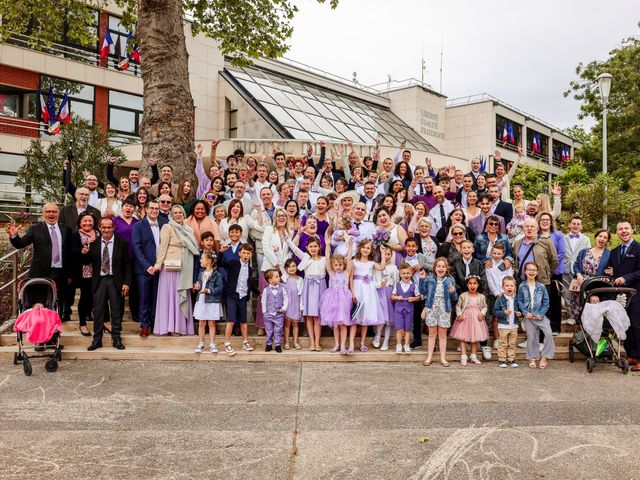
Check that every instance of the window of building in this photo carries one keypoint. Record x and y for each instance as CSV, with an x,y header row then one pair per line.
x,y
508,133
233,123
561,153
120,35
125,113
15,102
539,148
309,112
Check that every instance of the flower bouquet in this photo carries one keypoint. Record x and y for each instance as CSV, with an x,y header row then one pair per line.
x,y
381,237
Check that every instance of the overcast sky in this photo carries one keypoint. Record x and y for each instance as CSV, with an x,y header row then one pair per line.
x,y
523,53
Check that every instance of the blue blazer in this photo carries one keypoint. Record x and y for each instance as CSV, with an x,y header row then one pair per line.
x,y
540,300
604,261
627,267
428,290
144,246
233,272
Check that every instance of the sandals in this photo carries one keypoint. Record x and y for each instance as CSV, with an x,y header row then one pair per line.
x,y
364,348
426,363
296,345
543,365
335,349
532,364
444,364
349,351
286,346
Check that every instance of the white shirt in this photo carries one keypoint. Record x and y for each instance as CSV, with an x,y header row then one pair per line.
x,y
367,231
511,318
243,280
434,213
155,230
93,198
55,230
494,277
109,245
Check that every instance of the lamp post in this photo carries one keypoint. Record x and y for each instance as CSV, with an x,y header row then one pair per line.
x,y
604,84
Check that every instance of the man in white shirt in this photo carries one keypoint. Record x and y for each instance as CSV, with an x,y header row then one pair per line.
x,y
240,193
576,241
367,229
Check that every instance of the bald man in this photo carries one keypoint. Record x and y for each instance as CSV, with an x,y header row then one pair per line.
x,y
51,242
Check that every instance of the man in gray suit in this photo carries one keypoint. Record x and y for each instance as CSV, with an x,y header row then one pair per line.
x,y
576,242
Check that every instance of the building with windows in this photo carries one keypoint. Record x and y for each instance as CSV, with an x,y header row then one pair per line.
x,y
250,107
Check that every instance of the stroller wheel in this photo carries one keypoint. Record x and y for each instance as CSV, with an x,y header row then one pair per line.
x,y
624,366
590,364
51,365
572,355
26,366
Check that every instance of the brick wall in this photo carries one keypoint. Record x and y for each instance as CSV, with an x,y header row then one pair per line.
x,y
19,78
18,126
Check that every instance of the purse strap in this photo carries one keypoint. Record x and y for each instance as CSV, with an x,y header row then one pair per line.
x,y
528,253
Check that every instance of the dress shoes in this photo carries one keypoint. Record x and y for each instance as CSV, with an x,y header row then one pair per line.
x,y
144,332
94,346
117,343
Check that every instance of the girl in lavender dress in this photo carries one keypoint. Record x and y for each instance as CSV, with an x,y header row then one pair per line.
x,y
314,285
293,315
363,290
335,303
385,280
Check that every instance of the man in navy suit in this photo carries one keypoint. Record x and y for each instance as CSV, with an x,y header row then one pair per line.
x,y
500,207
624,263
145,240
231,251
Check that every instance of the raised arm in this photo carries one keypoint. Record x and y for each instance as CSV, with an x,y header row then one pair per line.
x,y
383,261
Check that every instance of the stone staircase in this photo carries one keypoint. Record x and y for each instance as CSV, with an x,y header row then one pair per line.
x,y
182,348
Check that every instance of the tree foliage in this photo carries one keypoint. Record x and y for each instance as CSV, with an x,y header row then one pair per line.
x,y
244,29
623,118
43,169
586,200
574,173
533,180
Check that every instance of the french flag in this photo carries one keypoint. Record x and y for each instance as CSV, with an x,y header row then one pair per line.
x,y
512,136
505,134
64,115
106,45
535,146
44,111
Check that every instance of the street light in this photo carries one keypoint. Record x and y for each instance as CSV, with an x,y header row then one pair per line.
x,y
604,84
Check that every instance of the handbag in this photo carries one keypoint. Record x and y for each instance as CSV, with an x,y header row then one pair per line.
x,y
173,265
574,286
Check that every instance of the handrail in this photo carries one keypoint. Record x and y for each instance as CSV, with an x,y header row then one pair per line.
x,y
15,276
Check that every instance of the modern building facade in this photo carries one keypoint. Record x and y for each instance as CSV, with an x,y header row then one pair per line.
x,y
250,107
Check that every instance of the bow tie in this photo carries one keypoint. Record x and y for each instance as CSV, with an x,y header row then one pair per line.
x,y
153,224
571,235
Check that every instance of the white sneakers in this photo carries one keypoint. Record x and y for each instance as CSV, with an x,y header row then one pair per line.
x,y
376,342
200,347
496,344
213,348
384,347
398,348
407,348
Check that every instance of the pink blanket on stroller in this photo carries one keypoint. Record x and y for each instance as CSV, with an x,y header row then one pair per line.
x,y
39,324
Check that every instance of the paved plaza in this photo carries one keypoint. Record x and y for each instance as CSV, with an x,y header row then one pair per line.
x,y
241,420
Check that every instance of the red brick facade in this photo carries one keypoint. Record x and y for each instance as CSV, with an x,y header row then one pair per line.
x,y
19,78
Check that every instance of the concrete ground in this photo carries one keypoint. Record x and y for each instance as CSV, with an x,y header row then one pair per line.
x,y
117,420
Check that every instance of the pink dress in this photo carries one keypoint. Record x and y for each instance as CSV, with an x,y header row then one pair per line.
x,y
470,329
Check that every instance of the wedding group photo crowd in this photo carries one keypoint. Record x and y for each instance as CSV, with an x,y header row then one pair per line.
x,y
374,251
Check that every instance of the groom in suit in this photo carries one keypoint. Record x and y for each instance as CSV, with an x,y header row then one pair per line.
x,y
624,262
145,240
109,256
51,249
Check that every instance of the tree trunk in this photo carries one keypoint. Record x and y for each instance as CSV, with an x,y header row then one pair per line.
x,y
168,123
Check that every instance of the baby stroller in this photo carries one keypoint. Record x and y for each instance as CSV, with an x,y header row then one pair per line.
x,y
40,326
607,349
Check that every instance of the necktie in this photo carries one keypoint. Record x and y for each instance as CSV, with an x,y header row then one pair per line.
x,y
358,225
55,245
623,252
421,189
106,260
442,216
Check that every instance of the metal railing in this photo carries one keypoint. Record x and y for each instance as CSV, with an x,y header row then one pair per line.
x,y
13,258
82,55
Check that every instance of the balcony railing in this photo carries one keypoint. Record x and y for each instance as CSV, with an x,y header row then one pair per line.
x,y
83,55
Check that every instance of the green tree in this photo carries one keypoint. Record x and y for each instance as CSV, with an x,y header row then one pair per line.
x,y
574,173
244,29
533,180
586,200
623,118
43,169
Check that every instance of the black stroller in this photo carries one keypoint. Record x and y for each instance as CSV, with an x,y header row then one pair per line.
x,y
601,286
31,292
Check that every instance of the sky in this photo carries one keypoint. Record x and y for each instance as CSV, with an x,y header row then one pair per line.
x,y
524,54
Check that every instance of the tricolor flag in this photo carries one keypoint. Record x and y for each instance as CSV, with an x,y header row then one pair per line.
x,y
123,60
566,154
135,53
106,45
44,111
535,146
64,116
505,134
483,164
512,136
